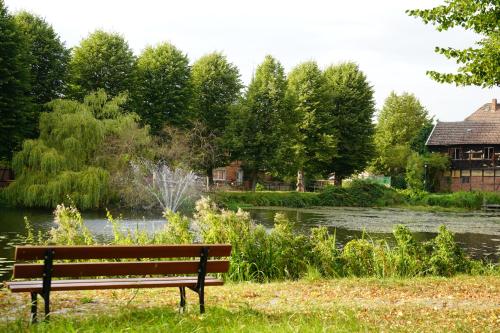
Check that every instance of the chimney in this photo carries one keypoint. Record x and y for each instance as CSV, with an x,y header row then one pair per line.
x,y
493,107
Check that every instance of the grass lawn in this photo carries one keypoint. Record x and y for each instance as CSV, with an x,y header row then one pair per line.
x,y
462,304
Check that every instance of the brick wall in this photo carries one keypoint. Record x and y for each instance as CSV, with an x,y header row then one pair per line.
x,y
476,183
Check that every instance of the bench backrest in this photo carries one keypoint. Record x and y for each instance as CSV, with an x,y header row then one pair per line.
x,y
81,269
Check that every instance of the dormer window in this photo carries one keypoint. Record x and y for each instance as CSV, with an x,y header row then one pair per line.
x,y
475,154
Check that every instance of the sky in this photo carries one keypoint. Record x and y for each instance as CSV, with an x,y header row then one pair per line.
x,y
391,48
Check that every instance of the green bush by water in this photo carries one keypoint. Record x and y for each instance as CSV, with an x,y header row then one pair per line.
x,y
281,253
472,200
358,193
234,200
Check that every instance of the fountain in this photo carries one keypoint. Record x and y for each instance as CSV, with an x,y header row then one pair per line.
x,y
170,187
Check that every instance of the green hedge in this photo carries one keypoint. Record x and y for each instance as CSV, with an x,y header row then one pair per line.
x,y
265,198
357,194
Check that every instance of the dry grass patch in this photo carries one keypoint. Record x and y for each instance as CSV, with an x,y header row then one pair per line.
x,y
461,303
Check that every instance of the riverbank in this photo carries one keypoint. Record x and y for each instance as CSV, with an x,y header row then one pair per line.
x,y
463,303
359,195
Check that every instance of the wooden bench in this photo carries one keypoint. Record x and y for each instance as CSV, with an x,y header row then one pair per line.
x,y
44,273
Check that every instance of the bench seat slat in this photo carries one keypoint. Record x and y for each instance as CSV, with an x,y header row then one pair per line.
x,y
26,271
61,285
121,251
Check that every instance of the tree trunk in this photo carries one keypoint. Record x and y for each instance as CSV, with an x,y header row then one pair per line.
x,y
300,181
210,175
253,179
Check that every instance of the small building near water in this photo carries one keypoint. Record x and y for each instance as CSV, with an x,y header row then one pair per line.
x,y
230,175
474,149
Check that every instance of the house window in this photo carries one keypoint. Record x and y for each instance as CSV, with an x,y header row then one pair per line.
x,y
488,153
476,155
456,153
219,174
239,176
465,180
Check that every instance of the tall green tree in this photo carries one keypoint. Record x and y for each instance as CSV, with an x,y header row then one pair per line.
x,y
216,88
162,92
15,103
101,61
48,57
418,142
400,122
351,103
259,127
478,65
48,62
316,141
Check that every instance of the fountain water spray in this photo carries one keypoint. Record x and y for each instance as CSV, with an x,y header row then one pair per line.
x,y
170,187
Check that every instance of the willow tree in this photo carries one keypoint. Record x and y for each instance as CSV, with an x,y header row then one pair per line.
x,y
316,141
64,162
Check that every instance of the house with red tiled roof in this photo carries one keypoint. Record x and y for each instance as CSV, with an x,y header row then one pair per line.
x,y
474,149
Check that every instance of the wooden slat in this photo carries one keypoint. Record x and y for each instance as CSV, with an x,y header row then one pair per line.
x,y
119,251
25,271
98,280
61,285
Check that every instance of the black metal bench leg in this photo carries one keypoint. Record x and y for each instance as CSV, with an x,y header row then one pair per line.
x,y
202,272
46,300
183,298
47,280
34,307
201,293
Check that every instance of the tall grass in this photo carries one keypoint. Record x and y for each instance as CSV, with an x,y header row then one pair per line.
x,y
281,253
469,200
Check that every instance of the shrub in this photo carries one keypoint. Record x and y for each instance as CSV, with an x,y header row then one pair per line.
x,y
324,252
69,229
447,257
408,254
470,200
358,256
361,193
259,187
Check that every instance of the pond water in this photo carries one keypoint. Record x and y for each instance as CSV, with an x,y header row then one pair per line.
x,y
477,232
